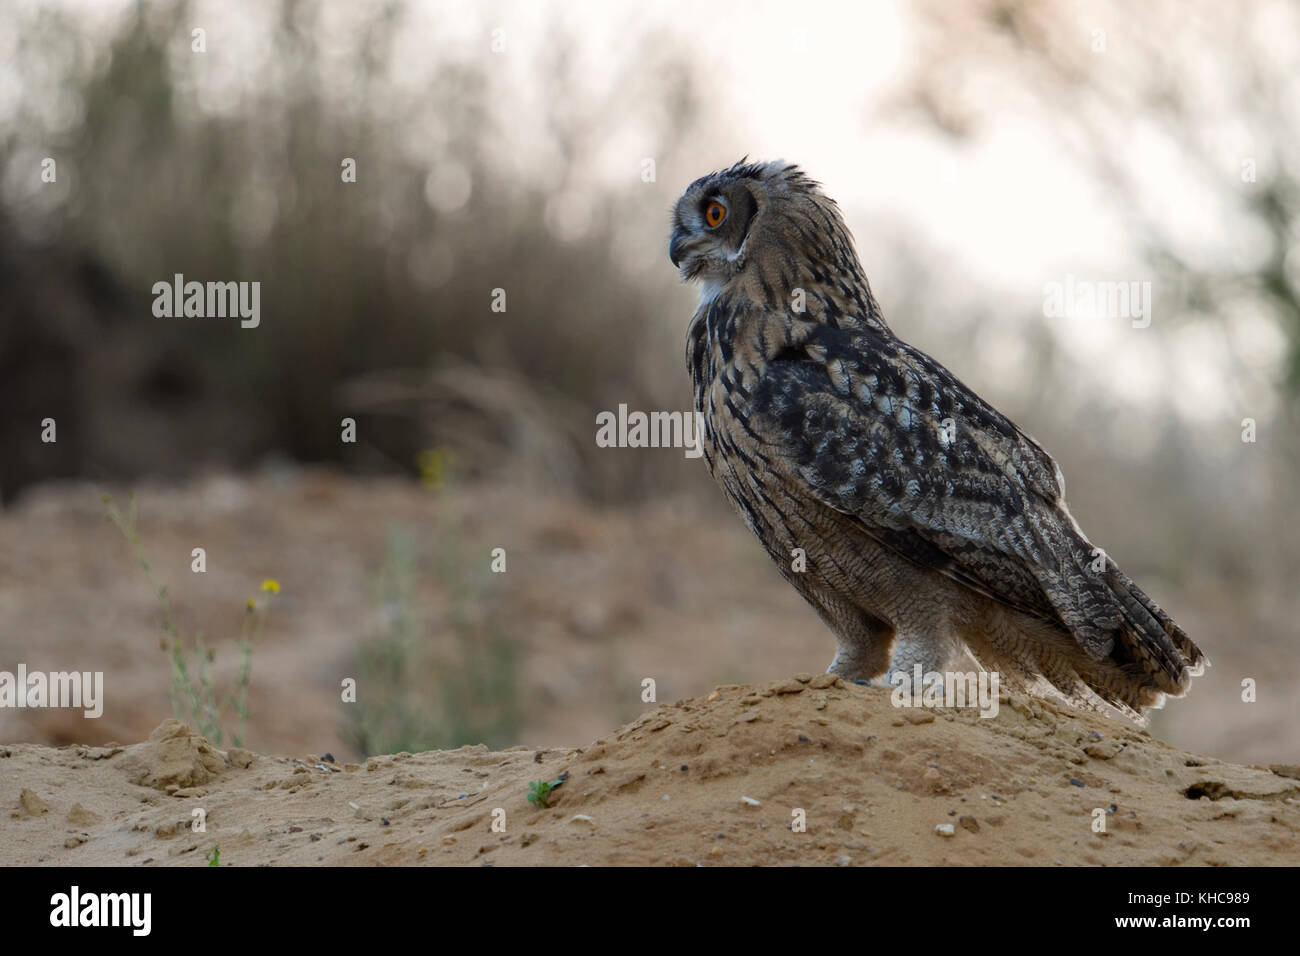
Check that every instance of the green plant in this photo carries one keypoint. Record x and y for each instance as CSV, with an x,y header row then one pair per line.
x,y
539,791
213,856
193,695
435,681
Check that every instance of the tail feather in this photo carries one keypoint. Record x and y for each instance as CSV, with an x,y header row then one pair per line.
x,y
1133,658
1042,659
1150,638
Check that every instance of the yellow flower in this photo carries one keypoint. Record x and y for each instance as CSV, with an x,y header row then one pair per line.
x,y
432,464
252,604
271,586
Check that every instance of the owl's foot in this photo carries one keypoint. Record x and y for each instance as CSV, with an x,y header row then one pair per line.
x,y
853,670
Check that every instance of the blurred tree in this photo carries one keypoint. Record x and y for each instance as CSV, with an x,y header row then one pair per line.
x,y
227,166
1101,73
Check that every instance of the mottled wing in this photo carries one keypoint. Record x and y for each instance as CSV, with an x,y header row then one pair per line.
x,y
880,431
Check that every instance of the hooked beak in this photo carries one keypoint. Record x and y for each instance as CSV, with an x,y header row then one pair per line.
x,y
677,247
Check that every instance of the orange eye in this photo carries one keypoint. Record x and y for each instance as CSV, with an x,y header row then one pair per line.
x,y
714,213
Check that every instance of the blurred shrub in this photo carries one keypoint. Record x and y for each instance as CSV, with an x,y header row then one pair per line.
x,y
427,684
173,163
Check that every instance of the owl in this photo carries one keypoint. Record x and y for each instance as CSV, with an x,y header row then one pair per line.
x,y
923,526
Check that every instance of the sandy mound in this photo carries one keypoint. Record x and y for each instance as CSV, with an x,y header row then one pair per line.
x,y
716,780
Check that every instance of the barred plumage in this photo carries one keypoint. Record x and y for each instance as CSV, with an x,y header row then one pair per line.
x,y
935,530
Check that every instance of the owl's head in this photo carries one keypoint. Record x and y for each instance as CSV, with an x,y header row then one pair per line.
x,y
762,213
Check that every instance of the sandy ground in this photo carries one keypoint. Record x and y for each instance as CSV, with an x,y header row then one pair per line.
x,y
594,602
717,780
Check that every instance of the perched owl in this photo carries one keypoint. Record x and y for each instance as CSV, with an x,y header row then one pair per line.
x,y
932,529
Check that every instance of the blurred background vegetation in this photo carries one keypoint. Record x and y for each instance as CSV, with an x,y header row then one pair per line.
x,y
166,165
980,150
